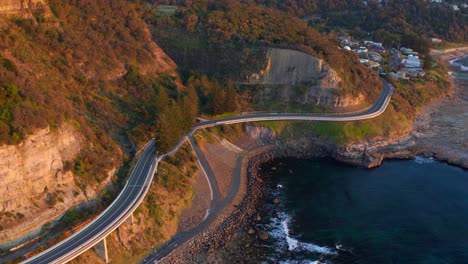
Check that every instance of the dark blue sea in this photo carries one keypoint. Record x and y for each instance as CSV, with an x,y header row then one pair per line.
x,y
405,211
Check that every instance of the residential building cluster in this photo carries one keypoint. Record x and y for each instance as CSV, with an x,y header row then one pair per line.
x,y
409,64
369,52
402,64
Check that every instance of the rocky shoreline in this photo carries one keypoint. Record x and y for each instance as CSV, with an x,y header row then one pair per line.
x,y
244,213
364,154
241,222
439,132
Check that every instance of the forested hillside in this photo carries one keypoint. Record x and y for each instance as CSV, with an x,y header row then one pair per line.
x,y
94,63
386,20
224,38
96,66
77,79
89,63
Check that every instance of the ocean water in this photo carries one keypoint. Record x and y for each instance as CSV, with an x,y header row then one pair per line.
x,y
411,211
461,63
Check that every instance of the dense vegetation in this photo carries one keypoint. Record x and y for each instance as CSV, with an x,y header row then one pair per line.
x,y
88,63
93,64
234,30
407,100
156,220
388,21
224,37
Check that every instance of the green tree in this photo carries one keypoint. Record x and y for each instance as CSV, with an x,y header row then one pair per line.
x,y
428,62
189,107
162,100
416,42
169,126
230,98
217,101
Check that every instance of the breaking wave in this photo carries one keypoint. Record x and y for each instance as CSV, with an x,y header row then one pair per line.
x,y
280,231
300,262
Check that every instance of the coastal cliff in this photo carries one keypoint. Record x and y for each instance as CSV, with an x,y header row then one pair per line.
x,y
69,75
36,184
366,154
23,7
39,183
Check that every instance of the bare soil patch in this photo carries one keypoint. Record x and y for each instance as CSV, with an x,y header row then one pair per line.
x,y
193,216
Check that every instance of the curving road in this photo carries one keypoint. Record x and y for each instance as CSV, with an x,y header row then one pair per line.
x,y
217,204
142,175
123,206
375,110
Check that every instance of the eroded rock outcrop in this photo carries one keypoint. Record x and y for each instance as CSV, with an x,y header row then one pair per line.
x,y
23,7
36,187
366,154
296,76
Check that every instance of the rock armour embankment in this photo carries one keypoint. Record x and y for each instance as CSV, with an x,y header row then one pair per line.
x,y
245,212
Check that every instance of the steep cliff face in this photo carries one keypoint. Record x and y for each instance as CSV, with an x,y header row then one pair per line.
x,y
299,77
23,6
70,65
36,185
295,68
366,154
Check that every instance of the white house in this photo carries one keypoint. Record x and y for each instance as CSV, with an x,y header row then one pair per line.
x,y
362,50
411,62
372,43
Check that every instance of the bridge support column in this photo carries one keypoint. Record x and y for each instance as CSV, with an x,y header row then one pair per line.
x,y
101,250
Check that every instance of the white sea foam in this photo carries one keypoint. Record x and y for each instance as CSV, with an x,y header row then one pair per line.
x,y
423,160
280,231
300,262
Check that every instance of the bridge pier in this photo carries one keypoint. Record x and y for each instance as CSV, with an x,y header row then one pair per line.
x,y
131,219
101,250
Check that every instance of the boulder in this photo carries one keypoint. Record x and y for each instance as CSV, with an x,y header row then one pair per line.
x,y
263,235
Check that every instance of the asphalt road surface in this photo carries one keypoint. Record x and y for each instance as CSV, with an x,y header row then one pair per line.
x,y
128,199
142,175
217,205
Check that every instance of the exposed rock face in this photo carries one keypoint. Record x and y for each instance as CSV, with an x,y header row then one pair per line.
x,y
363,154
261,133
23,6
313,95
371,154
295,68
34,182
297,76
35,188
